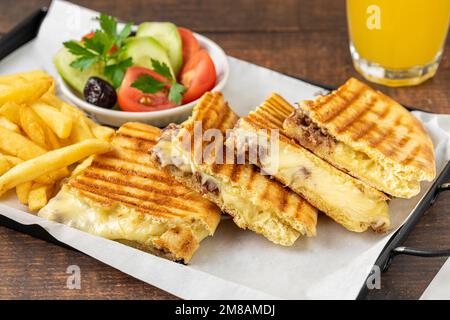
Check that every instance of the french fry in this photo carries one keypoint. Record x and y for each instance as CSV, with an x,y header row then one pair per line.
x,y
48,178
32,126
100,132
14,161
4,87
5,165
83,165
52,89
33,120
60,123
81,131
52,140
51,161
39,195
61,105
22,77
10,111
22,191
51,99
53,176
15,144
5,123
70,109
28,92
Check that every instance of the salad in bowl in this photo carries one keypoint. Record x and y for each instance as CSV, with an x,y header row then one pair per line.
x,y
151,73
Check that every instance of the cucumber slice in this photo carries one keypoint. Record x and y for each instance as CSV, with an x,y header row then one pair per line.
x,y
166,33
143,49
74,77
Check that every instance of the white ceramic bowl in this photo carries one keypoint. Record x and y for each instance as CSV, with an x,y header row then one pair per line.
x,y
156,118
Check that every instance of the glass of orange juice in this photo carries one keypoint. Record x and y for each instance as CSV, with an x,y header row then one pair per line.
x,y
397,42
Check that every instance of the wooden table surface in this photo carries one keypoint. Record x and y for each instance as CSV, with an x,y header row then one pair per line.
x,y
302,38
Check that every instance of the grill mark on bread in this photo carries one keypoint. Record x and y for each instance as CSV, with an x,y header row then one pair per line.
x,y
251,177
412,155
300,205
404,141
138,134
211,116
383,114
265,193
147,196
283,204
128,183
269,115
157,177
139,139
107,202
328,116
361,133
374,142
109,193
321,101
351,121
235,173
275,111
244,178
151,131
129,160
139,143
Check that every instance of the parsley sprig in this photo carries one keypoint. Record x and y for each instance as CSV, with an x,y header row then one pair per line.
x,y
148,84
105,46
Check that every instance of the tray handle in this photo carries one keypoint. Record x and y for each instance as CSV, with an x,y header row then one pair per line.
x,y
25,31
425,253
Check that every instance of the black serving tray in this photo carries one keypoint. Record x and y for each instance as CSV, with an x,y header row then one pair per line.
x,y
27,30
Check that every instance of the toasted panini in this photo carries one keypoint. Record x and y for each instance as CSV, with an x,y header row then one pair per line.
x,y
368,135
122,196
253,200
345,199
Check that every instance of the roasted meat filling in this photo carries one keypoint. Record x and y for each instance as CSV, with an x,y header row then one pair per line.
x,y
310,131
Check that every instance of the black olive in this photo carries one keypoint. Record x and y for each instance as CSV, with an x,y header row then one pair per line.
x,y
100,93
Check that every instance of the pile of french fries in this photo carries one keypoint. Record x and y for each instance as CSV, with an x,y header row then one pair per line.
x,y
41,137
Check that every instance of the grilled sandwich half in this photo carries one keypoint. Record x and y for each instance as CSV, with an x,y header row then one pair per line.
x,y
122,196
254,201
368,135
345,199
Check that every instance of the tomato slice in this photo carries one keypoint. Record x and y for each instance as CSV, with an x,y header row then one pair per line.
x,y
198,76
88,35
189,42
132,99
91,34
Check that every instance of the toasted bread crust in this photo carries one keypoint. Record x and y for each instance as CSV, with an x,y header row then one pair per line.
x,y
371,122
293,211
289,234
271,115
127,178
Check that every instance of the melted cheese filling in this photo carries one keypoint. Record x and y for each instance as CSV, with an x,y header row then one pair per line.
x,y
117,223
252,215
380,174
295,169
391,181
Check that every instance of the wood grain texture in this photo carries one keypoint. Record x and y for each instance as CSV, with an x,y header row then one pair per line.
x,y
299,37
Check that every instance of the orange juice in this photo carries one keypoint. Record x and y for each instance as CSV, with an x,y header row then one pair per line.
x,y
403,37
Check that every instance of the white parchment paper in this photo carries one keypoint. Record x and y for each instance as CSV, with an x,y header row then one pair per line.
x,y
234,264
439,288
